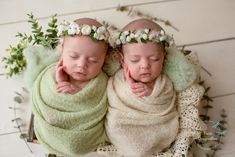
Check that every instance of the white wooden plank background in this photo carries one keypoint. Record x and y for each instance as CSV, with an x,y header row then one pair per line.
x,y
197,20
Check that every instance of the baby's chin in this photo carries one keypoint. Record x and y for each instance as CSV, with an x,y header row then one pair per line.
x,y
145,80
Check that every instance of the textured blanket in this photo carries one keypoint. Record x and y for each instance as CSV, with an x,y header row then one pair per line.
x,y
37,59
69,125
138,126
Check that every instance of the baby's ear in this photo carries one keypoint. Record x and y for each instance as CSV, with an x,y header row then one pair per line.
x,y
121,59
112,62
60,45
164,53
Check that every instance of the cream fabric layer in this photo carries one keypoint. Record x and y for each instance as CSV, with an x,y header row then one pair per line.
x,y
141,126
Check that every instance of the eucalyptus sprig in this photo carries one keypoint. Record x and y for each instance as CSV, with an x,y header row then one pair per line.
x,y
19,100
137,13
51,33
15,63
47,39
211,142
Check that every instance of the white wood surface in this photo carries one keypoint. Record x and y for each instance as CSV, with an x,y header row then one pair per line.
x,y
197,20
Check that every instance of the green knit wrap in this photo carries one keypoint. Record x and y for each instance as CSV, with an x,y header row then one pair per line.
x,y
69,125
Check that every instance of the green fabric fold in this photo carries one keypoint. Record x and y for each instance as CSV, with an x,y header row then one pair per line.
x,y
38,58
69,125
179,69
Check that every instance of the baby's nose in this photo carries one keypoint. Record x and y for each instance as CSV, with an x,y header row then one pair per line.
x,y
82,62
145,64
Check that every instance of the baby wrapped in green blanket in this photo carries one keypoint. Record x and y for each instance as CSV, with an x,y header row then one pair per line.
x,y
69,98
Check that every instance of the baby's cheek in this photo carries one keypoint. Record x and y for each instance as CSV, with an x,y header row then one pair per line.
x,y
133,73
66,69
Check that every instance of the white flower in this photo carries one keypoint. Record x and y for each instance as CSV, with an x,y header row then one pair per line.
x,y
118,42
101,30
138,34
162,38
132,35
78,30
115,35
152,36
126,32
123,38
128,38
73,25
94,28
101,37
86,30
72,31
145,36
61,28
162,32
72,28
146,31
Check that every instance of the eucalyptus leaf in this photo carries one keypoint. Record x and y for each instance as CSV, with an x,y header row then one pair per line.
x,y
23,135
18,99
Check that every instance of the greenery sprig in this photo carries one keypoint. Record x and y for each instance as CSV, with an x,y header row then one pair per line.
x,y
15,63
137,13
19,99
211,142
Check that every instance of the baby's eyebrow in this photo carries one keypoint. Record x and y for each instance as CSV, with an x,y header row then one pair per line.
x,y
94,57
70,51
134,55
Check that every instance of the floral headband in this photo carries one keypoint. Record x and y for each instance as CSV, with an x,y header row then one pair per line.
x,y
142,35
72,28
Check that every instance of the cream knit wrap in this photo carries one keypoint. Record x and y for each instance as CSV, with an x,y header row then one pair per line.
x,y
140,126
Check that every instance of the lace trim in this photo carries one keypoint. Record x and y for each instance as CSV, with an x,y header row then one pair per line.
x,y
193,58
190,96
108,150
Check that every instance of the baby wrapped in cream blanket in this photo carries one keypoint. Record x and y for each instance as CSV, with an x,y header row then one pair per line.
x,y
140,126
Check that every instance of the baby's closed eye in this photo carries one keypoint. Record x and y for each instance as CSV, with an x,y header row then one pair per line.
x,y
154,58
73,56
93,59
134,59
